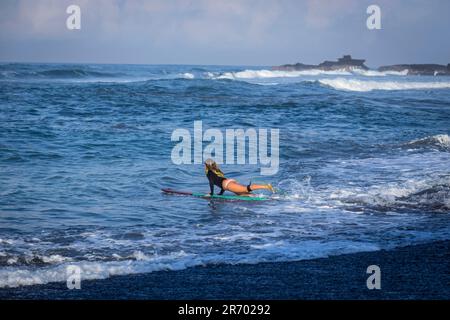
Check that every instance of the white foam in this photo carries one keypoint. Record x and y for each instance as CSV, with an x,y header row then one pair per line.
x,y
187,75
268,245
364,86
264,74
236,237
396,73
6,241
433,180
393,194
267,74
55,258
375,73
441,141
14,277
277,251
140,256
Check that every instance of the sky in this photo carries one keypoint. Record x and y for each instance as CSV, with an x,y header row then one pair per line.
x,y
224,32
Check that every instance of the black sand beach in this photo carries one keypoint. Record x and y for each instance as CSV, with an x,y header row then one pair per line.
x,y
413,272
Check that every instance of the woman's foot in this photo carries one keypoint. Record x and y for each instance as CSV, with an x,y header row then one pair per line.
x,y
270,188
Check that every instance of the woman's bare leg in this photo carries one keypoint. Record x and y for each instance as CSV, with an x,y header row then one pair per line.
x,y
259,186
242,190
237,188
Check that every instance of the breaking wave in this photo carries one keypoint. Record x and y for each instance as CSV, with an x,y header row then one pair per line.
x,y
414,195
375,73
145,263
365,86
187,75
263,74
440,142
31,259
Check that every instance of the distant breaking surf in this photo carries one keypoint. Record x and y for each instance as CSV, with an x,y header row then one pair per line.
x,y
257,74
264,73
365,86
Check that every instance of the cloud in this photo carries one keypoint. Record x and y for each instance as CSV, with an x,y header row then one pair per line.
x,y
321,14
243,22
201,21
220,31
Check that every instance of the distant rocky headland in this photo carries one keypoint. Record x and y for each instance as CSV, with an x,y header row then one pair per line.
x,y
419,69
347,63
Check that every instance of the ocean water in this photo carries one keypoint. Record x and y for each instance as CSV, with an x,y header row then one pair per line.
x,y
85,150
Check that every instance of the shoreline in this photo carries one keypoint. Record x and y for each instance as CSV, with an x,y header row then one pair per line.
x,y
411,272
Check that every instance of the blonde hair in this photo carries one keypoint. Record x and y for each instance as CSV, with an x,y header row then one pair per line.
x,y
212,165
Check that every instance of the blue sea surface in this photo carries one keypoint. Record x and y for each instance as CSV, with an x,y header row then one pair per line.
x,y
86,149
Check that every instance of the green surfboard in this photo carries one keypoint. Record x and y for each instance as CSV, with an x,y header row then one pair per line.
x,y
218,197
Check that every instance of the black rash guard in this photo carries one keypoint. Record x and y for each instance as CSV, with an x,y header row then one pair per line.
x,y
214,179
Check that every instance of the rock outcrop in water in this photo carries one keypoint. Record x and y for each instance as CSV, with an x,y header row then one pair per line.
x,y
347,63
419,69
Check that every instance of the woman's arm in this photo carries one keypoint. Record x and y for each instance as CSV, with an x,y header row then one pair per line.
x,y
211,183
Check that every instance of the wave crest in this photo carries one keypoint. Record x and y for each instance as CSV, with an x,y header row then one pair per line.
x,y
264,74
375,73
187,75
424,195
365,86
440,142
63,73
73,73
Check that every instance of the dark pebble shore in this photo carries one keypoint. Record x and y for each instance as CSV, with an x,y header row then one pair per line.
x,y
413,272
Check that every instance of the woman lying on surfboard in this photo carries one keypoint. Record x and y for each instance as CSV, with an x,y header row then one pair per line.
x,y
216,177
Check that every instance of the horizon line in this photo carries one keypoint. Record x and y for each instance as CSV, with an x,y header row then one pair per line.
x,y
196,64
